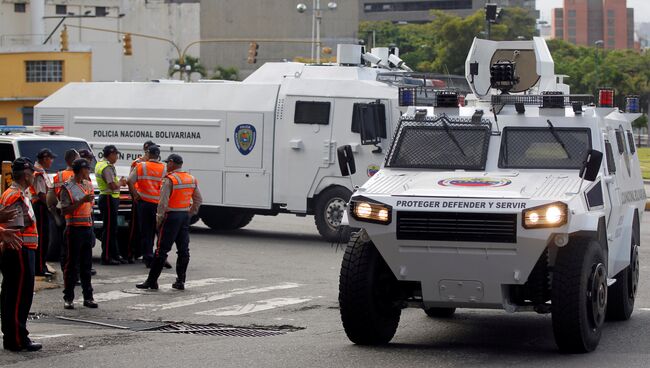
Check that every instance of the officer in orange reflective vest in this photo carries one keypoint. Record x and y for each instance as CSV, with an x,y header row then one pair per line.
x,y
57,227
77,197
17,263
180,199
39,193
145,182
134,245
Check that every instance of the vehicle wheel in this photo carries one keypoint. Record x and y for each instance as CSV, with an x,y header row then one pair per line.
x,y
224,219
246,219
370,309
579,296
621,295
440,312
328,213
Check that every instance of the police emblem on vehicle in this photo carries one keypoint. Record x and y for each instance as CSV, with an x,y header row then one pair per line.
x,y
245,136
474,182
372,170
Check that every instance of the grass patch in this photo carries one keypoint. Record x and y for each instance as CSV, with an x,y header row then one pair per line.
x,y
644,158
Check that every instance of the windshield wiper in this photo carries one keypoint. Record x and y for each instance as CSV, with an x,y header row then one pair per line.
x,y
557,138
453,139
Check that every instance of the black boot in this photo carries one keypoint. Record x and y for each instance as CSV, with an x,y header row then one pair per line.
x,y
157,265
181,270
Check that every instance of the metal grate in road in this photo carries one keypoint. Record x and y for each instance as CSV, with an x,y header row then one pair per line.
x,y
215,330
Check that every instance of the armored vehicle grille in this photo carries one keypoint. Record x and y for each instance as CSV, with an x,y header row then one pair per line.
x,y
457,226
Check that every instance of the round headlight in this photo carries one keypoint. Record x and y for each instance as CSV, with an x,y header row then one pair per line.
x,y
382,215
553,215
533,217
363,210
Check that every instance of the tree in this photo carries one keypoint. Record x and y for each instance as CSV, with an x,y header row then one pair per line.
x,y
224,73
192,61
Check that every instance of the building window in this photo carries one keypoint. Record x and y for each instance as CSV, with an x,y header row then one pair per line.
x,y
101,11
611,42
611,32
572,22
28,115
417,5
61,9
19,7
44,71
572,13
611,13
559,33
3,121
572,32
572,39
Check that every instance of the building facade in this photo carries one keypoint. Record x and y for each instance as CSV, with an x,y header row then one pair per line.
x,y
609,23
263,19
409,11
29,74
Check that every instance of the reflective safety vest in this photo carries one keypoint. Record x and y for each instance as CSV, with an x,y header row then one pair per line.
x,y
102,185
150,176
59,180
32,190
183,186
28,234
82,216
136,162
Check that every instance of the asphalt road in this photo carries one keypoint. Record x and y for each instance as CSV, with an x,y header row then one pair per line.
x,y
279,277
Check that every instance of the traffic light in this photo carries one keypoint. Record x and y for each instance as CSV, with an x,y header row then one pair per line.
x,y
252,52
64,39
126,44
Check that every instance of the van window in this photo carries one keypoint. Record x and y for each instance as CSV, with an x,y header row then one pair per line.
x,y
7,152
312,112
630,141
611,166
30,149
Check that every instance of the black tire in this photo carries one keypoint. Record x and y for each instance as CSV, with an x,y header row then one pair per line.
x,y
328,212
440,312
579,296
621,295
224,219
369,310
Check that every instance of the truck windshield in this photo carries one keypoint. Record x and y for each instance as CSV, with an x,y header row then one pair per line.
x,y
544,148
440,143
30,149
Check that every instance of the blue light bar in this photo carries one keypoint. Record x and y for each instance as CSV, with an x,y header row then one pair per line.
x,y
632,104
6,129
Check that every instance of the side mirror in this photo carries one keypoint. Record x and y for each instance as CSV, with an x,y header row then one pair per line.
x,y
346,160
591,165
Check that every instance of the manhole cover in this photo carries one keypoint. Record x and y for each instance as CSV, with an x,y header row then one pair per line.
x,y
215,330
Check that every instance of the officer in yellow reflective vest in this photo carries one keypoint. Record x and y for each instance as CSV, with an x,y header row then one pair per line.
x,y
109,201
180,199
17,263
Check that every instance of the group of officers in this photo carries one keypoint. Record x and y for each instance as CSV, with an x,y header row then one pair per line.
x,y
35,208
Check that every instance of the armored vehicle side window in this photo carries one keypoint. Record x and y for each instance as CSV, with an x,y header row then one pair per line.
x,y
544,148
7,152
440,144
609,153
630,141
369,120
620,141
312,112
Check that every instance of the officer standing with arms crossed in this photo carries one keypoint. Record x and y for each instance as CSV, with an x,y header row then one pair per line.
x,y
18,260
109,201
77,205
38,191
57,227
134,248
180,199
145,182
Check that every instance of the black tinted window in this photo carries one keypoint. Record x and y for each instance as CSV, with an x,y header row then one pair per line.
x,y
312,112
30,149
630,141
611,165
620,141
7,152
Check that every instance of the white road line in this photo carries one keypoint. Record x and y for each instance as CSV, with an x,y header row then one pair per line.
x,y
129,293
128,279
644,309
212,297
258,306
44,337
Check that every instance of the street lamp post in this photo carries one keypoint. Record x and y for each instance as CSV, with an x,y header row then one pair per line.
x,y
317,16
598,44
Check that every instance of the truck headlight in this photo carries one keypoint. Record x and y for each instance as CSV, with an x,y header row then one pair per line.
x,y
371,212
549,215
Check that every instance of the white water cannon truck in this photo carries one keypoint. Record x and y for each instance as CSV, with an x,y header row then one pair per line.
x,y
266,145
527,199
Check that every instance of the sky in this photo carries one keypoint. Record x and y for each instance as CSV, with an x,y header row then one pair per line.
x,y
641,8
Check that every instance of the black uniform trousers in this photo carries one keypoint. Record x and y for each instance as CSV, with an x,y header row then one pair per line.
x,y
43,227
108,207
175,228
131,249
16,295
79,250
147,222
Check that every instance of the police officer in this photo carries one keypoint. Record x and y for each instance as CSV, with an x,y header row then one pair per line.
x,y
144,183
57,226
38,191
77,205
109,201
18,260
180,199
134,247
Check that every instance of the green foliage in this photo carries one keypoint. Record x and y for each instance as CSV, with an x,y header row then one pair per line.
x,y
191,61
224,73
644,159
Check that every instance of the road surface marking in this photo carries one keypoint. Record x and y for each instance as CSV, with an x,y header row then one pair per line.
x,y
258,306
43,337
129,293
212,297
128,279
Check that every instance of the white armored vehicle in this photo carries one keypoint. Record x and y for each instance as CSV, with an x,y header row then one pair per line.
x,y
506,203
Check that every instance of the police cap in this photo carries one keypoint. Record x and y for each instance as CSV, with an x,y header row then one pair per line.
x,y
79,164
148,144
45,152
154,150
177,159
22,163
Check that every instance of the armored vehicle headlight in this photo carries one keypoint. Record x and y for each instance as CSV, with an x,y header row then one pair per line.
x,y
549,215
371,212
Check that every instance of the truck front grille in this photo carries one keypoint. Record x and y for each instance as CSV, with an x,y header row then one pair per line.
x,y
457,226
